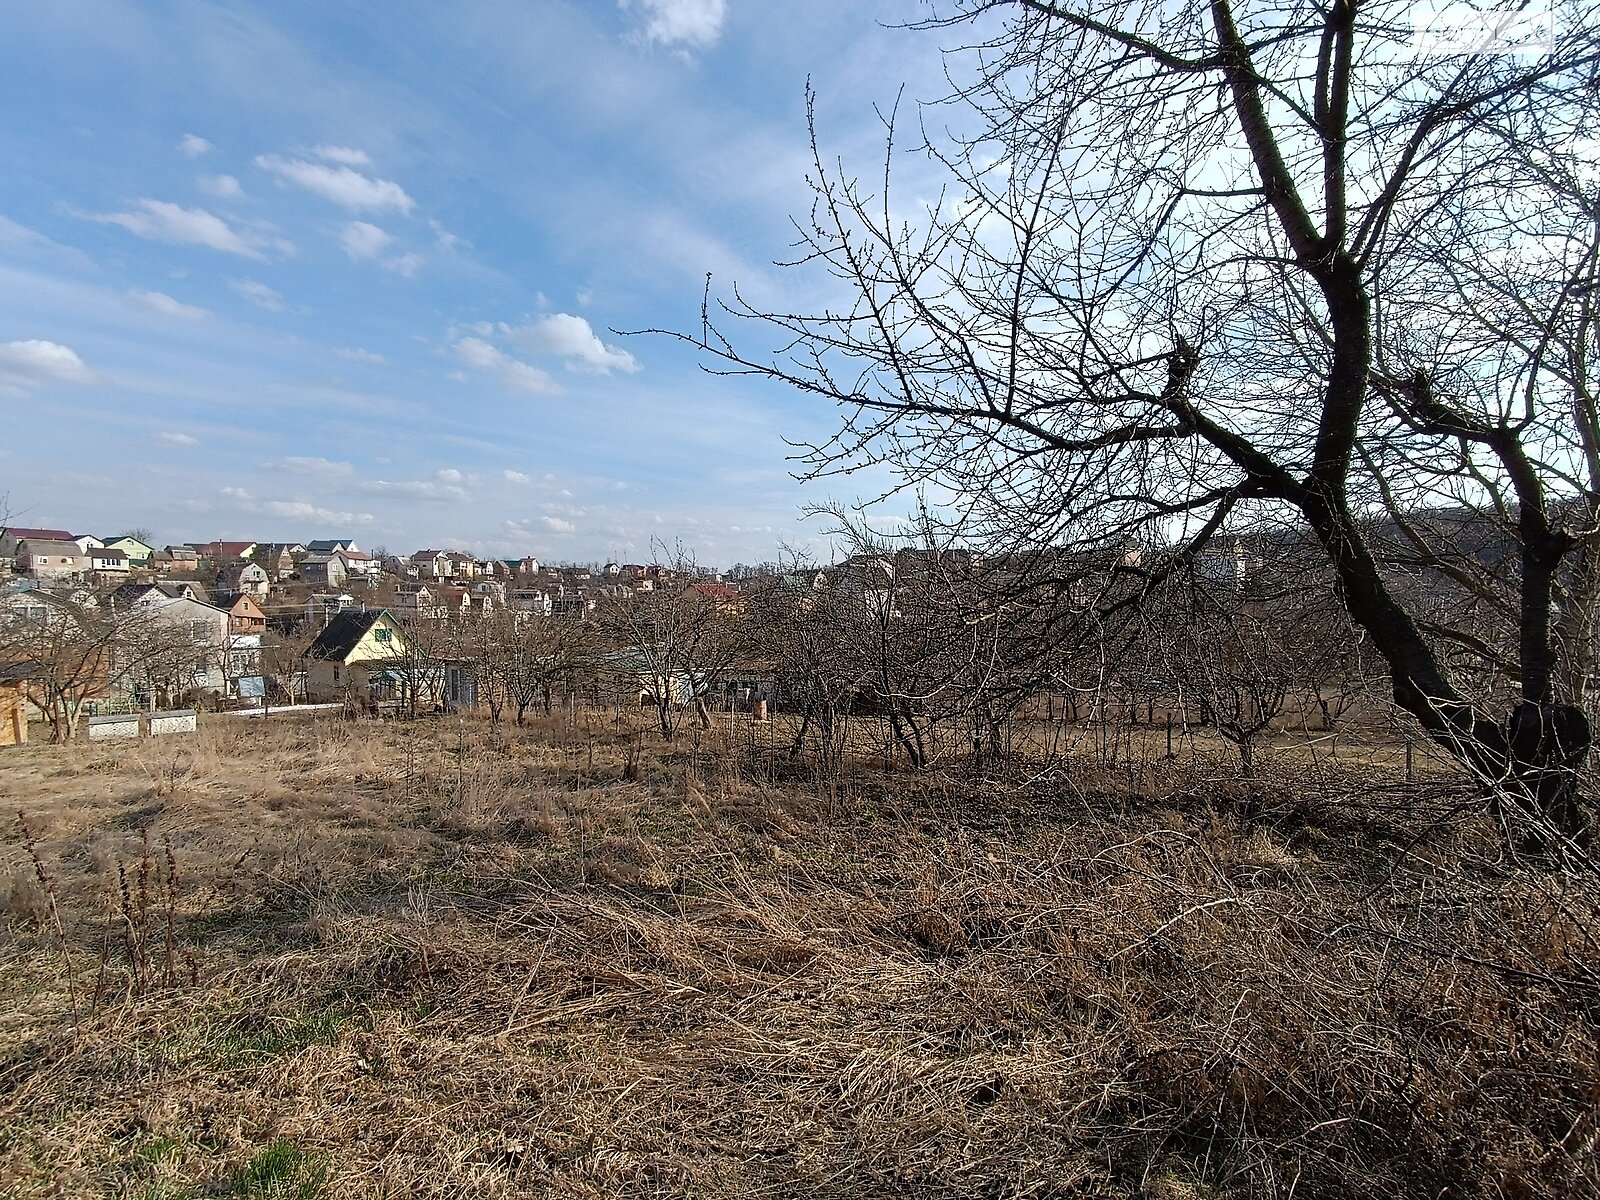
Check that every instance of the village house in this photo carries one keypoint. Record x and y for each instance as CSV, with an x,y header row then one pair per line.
x,y
244,615
195,660
12,537
323,570
535,601
138,553
359,565
47,559
134,591
458,602
354,655
187,589
720,595
415,601
14,703
573,606
433,564
277,559
333,546
107,561
245,680
224,552
171,559
324,606
46,619
87,542
243,579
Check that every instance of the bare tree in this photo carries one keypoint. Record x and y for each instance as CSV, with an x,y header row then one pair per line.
x,y
71,650
673,645
538,654
1182,272
80,653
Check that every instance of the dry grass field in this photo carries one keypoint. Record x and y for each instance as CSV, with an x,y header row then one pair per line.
x,y
300,959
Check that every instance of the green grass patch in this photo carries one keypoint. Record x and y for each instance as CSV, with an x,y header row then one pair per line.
x,y
282,1171
281,1036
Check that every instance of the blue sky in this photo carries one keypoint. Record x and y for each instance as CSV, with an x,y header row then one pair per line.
x,y
301,269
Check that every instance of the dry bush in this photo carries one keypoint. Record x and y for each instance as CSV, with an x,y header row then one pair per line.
x,y
514,971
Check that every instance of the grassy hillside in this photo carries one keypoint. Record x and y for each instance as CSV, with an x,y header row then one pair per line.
x,y
337,960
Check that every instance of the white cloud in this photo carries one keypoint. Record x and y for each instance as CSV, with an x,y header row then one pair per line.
x,y
416,489
258,294
356,354
342,185
693,23
517,477
304,510
18,241
296,510
166,306
448,475
403,264
512,373
177,439
363,240
35,361
572,339
445,239
161,221
343,154
224,187
557,525
298,465
193,146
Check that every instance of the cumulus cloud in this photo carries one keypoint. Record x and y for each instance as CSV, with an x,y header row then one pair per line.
x,y
364,240
258,294
557,525
299,465
297,510
340,184
35,361
343,154
517,477
161,221
416,489
316,512
448,475
403,264
572,339
305,510
446,240
511,372
695,24
357,354
166,306
171,438
224,187
193,146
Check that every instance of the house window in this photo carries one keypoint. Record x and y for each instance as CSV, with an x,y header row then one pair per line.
x,y
336,674
381,635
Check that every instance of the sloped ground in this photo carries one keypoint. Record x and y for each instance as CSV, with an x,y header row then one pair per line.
x,y
444,960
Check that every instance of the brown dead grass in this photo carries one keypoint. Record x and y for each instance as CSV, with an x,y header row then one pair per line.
x,y
445,960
